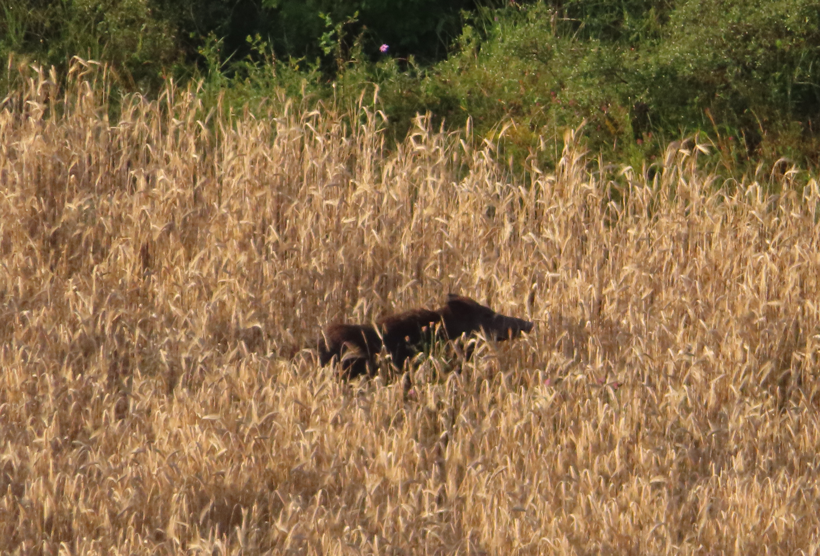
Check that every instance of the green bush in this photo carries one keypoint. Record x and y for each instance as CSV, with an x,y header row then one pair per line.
x,y
516,70
421,28
752,71
127,34
636,73
629,22
640,74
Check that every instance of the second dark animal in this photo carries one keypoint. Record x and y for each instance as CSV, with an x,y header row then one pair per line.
x,y
404,335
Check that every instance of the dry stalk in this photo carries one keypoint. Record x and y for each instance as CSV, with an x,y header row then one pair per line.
x,y
155,269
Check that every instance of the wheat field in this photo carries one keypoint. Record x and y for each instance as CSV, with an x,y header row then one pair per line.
x,y
157,271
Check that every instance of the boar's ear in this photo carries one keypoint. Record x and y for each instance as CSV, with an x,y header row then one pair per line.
x,y
452,297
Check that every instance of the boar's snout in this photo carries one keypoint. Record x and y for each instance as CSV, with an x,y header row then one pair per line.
x,y
506,328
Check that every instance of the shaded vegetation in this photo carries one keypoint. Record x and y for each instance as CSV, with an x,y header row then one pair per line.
x,y
638,73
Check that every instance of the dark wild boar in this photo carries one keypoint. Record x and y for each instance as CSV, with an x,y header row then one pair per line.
x,y
404,335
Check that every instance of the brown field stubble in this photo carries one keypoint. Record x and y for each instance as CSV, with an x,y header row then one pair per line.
x,y
152,269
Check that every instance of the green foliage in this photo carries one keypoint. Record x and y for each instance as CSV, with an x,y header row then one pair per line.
x,y
622,21
635,74
256,79
333,39
751,72
422,28
126,34
232,21
538,80
639,74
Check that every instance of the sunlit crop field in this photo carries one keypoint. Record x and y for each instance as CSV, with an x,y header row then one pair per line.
x,y
159,275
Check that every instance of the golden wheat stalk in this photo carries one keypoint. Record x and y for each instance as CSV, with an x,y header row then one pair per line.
x,y
154,269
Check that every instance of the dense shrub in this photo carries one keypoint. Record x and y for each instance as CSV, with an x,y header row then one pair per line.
x,y
144,39
422,28
639,73
128,35
751,72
